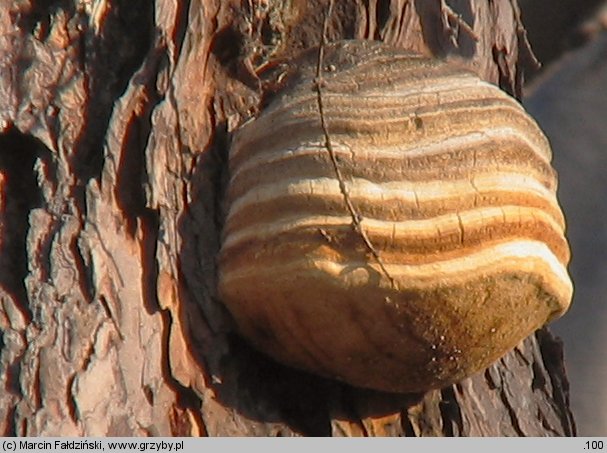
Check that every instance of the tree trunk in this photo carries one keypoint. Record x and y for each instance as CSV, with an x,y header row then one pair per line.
x,y
115,117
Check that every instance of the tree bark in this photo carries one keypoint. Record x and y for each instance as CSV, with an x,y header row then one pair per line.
x,y
115,118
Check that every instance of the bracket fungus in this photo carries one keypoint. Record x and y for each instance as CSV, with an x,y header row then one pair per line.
x,y
392,223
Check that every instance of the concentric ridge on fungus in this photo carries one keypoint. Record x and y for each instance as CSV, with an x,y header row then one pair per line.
x,y
452,183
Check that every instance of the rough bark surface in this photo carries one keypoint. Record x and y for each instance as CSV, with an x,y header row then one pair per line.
x,y
115,116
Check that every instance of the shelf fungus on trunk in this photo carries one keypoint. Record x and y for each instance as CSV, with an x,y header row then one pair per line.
x,y
404,239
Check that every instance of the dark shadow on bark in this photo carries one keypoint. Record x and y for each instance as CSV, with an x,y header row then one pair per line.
x,y
20,194
40,16
110,58
552,353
